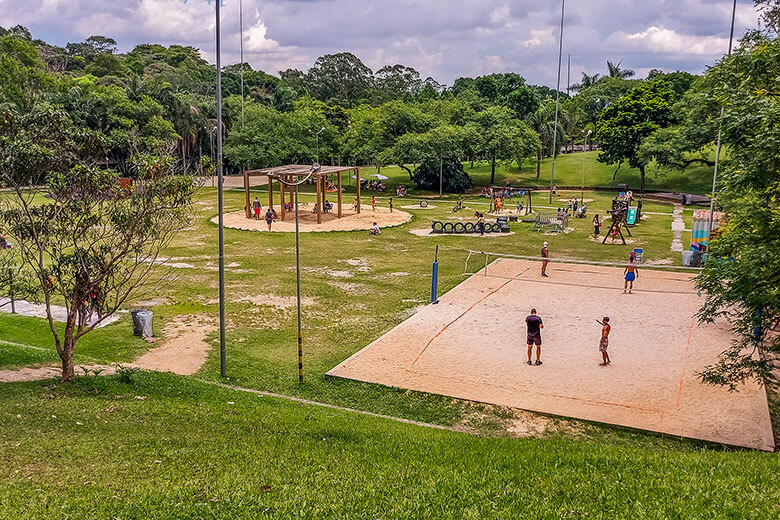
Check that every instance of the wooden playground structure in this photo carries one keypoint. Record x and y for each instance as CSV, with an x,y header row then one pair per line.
x,y
296,172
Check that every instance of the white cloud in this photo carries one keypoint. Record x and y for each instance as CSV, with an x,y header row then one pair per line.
x,y
539,38
660,40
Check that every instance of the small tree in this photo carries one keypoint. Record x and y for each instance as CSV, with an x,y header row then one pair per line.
x,y
623,126
454,178
89,244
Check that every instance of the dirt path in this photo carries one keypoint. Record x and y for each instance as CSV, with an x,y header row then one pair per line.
x,y
184,352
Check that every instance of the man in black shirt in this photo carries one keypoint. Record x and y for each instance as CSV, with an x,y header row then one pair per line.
x,y
534,325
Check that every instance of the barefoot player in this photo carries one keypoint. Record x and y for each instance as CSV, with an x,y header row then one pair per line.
x,y
545,257
604,343
534,325
632,273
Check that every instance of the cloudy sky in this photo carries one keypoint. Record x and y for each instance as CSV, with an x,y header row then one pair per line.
x,y
440,38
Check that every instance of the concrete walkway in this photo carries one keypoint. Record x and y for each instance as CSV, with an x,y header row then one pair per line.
x,y
678,226
38,310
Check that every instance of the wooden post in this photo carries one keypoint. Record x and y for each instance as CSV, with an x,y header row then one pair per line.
x,y
281,194
324,181
318,201
338,187
357,183
246,189
271,192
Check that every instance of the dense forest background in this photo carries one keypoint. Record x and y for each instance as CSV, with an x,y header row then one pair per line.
x,y
156,96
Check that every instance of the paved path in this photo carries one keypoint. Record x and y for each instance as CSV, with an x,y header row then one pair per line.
x,y
678,226
38,310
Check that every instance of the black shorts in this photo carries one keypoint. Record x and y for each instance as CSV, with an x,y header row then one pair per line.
x,y
534,339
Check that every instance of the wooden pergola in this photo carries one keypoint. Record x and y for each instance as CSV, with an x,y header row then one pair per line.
x,y
294,173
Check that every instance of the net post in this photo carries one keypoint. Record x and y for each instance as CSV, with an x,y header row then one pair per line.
x,y
435,278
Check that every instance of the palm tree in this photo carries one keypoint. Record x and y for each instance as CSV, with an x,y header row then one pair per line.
x,y
587,81
616,72
543,123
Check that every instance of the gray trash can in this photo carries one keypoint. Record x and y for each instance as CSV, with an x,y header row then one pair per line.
x,y
142,323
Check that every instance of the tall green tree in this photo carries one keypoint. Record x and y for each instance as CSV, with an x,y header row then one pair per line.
x,y
622,126
741,278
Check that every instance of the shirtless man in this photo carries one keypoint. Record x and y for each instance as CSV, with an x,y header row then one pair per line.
x,y
632,273
604,343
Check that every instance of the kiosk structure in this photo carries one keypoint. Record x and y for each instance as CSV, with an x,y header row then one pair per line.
x,y
295,172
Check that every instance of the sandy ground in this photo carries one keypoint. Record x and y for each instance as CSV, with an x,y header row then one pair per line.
x,y
350,221
466,347
417,206
39,373
430,233
184,350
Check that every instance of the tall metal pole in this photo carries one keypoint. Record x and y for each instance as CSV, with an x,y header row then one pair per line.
x,y
222,364
441,173
584,162
298,288
717,148
241,53
557,101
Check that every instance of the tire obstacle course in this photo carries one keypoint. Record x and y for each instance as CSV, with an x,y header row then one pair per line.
x,y
501,225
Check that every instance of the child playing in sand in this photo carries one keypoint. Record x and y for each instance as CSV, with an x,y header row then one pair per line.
x,y
604,343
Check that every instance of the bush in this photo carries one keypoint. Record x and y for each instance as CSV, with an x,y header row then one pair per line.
x,y
454,178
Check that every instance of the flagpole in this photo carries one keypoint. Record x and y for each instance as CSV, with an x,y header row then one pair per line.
x,y
557,101
222,363
718,146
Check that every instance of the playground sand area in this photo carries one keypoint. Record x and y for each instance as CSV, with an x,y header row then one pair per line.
x,y
350,221
472,346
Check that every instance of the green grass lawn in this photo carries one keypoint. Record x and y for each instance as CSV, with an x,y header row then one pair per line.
x,y
215,458
95,449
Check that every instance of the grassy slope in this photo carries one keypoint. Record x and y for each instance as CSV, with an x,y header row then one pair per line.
x,y
91,450
568,172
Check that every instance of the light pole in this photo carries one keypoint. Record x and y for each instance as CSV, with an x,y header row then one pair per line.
x,y
557,101
222,356
584,158
441,173
718,146
317,136
314,169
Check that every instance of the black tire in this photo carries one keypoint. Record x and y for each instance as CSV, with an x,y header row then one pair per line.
x,y
438,227
470,227
449,227
460,227
496,228
423,203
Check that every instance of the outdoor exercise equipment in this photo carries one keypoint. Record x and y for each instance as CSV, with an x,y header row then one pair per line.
x,y
556,222
459,228
458,206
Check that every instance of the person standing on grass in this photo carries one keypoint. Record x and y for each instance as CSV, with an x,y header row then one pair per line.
x,y
604,343
257,206
545,259
632,273
481,223
534,326
269,217
596,226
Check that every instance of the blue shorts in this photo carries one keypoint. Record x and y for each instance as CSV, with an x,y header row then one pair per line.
x,y
630,277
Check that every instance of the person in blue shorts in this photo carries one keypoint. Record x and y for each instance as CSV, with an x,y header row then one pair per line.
x,y
631,273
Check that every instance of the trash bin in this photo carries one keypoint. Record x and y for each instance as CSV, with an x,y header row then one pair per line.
x,y
687,258
142,323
